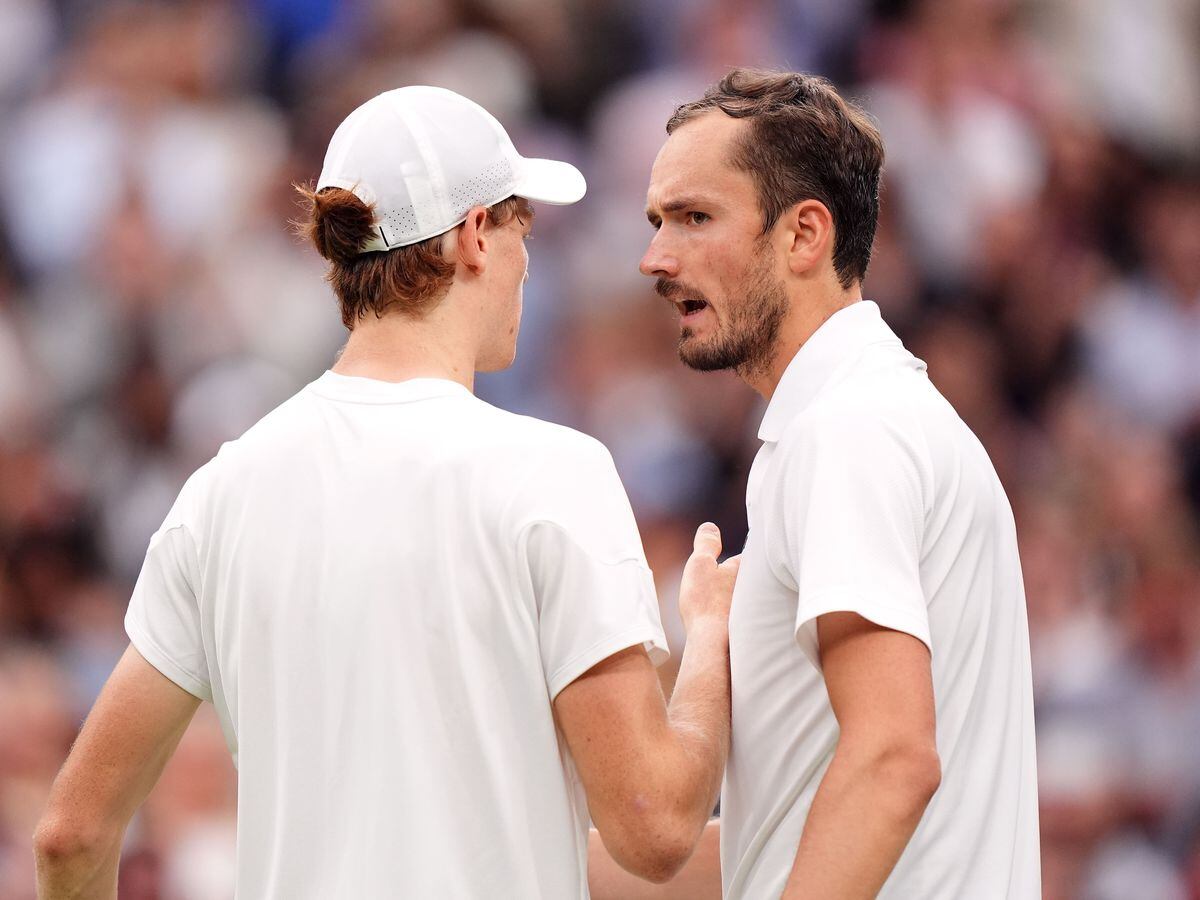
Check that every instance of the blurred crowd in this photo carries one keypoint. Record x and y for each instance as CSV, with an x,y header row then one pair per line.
x,y
1039,248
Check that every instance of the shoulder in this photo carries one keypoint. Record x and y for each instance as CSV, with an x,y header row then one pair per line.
x,y
873,436
541,443
281,430
552,473
862,417
279,425
278,432
190,504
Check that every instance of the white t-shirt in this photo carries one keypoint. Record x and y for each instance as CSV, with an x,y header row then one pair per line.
x,y
382,587
870,495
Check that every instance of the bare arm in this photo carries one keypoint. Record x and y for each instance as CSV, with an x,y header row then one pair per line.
x,y
885,768
700,878
130,734
652,772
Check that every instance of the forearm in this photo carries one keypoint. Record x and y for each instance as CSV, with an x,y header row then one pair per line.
x,y
652,771
134,727
699,717
863,815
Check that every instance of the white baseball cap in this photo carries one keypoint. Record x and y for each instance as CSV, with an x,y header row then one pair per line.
x,y
424,156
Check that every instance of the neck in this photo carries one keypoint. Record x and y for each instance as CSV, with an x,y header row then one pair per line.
x,y
397,347
805,316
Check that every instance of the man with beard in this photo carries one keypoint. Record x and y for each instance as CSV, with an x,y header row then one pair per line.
x,y
882,705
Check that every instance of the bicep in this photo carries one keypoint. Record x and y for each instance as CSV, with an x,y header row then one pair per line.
x,y
131,732
879,680
610,717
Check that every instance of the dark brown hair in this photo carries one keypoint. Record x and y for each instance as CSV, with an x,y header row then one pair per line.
x,y
411,279
805,142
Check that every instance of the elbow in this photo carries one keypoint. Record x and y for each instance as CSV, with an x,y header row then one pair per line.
x,y
910,773
904,774
654,846
658,861
667,860
57,844
925,769
53,843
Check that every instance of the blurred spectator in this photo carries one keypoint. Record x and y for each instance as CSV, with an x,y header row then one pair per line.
x,y
1144,335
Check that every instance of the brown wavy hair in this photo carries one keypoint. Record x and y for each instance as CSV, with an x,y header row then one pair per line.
x,y
805,143
410,280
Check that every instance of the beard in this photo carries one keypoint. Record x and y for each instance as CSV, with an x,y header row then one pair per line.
x,y
746,343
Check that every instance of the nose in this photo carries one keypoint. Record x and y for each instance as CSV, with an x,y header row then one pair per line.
x,y
658,261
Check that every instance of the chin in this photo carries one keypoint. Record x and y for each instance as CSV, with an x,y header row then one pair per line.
x,y
706,356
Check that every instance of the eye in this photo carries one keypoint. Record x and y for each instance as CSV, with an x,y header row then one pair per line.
x,y
698,218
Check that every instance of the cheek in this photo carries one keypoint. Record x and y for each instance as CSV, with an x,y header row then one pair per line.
x,y
720,256
727,275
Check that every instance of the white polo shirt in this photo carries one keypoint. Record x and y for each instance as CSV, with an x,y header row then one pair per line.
x,y
382,587
870,495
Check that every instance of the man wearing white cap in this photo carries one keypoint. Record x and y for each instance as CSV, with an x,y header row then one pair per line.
x,y
427,626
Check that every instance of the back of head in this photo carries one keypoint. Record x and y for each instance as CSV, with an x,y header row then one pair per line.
x,y
806,142
410,279
401,171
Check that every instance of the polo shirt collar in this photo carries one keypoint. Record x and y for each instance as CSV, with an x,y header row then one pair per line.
x,y
840,337
354,388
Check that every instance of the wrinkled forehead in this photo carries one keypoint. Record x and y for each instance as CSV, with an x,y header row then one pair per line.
x,y
697,159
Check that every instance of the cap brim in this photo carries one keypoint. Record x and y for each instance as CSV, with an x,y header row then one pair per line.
x,y
550,181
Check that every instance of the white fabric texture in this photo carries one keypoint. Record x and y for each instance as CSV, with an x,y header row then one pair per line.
x,y
381,586
424,156
870,495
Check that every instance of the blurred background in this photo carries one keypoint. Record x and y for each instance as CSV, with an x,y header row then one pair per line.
x,y
1039,248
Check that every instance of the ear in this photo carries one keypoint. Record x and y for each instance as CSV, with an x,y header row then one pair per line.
x,y
809,229
473,242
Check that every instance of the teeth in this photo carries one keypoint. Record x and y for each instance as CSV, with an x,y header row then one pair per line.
x,y
690,305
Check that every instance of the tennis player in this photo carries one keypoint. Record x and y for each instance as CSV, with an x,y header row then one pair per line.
x,y
427,626
882,706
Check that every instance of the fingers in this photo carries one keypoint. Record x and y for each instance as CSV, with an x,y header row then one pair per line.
x,y
708,541
731,565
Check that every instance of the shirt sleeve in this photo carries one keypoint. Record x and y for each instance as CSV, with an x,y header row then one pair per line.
x,y
163,619
853,520
579,544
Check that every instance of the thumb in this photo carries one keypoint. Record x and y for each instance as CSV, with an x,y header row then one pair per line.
x,y
732,564
708,541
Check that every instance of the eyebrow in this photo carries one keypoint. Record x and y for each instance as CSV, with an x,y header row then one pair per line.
x,y
676,206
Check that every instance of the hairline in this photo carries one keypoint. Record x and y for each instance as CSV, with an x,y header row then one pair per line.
x,y
735,106
738,153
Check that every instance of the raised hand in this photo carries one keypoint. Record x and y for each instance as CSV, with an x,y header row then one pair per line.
x,y
706,590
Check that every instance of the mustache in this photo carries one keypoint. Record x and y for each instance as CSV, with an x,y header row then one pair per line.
x,y
673,290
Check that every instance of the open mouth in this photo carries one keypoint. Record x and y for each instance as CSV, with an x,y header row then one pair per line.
x,y
689,307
